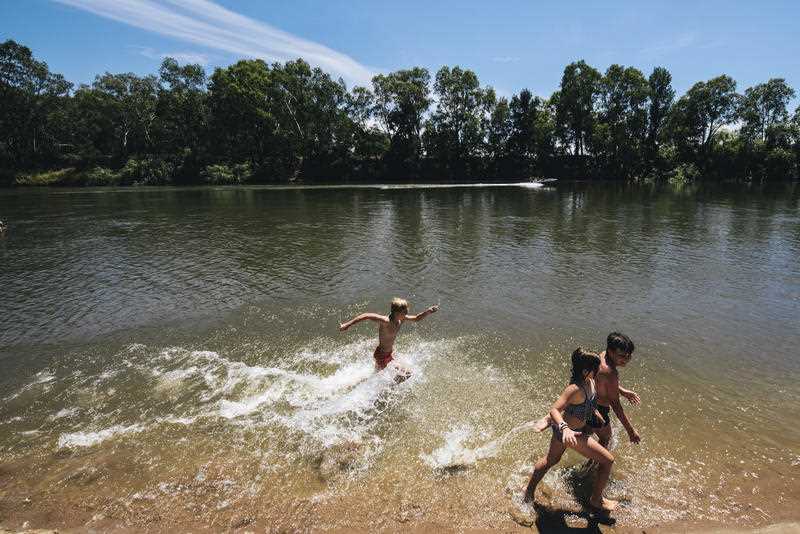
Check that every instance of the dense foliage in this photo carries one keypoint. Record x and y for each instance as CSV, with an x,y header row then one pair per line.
x,y
253,122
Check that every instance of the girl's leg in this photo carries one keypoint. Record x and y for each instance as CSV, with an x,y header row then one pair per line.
x,y
594,451
542,465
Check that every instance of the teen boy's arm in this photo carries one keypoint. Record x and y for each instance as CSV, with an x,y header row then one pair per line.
x,y
613,398
631,395
363,317
432,309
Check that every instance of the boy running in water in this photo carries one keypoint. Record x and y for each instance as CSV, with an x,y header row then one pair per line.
x,y
619,349
388,327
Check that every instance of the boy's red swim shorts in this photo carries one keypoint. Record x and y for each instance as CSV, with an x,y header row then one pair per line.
x,y
382,359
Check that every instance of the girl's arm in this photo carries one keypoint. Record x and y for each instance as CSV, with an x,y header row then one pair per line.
x,y
363,317
422,315
567,434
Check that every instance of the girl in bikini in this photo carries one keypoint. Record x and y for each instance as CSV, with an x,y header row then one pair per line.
x,y
570,416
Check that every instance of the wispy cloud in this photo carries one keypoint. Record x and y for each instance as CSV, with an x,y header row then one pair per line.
x,y
505,59
181,57
202,22
680,42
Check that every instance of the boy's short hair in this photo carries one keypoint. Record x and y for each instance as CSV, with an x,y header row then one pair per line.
x,y
399,305
619,343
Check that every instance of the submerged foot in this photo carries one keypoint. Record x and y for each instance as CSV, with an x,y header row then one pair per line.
x,y
606,505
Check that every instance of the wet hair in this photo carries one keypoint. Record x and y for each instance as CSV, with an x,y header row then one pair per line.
x,y
583,360
619,343
398,305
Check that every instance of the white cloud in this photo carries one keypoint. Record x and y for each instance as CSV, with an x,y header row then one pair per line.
x,y
202,22
181,57
505,59
679,43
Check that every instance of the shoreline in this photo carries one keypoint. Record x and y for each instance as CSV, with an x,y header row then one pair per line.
x,y
786,527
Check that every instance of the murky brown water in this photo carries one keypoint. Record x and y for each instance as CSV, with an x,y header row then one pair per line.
x,y
170,356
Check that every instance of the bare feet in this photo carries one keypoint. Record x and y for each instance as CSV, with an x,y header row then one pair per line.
x,y
542,423
607,505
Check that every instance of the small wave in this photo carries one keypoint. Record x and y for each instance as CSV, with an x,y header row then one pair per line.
x,y
65,412
453,454
89,439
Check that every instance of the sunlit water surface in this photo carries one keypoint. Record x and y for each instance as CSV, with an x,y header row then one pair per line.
x,y
171,356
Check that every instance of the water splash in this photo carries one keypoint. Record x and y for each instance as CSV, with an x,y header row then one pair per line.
x,y
455,455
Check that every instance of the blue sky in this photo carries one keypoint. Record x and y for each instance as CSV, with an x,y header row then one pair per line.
x,y
510,44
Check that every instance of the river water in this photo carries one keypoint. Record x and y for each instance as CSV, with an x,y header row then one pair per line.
x,y
171,356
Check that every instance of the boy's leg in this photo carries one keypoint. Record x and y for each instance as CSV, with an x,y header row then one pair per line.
x,y
591,449
543,465
603,435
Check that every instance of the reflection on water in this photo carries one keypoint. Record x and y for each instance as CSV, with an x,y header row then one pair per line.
x,y
172,354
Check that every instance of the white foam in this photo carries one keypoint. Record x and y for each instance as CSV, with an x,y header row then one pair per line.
x,y
89,439
65,412
455,454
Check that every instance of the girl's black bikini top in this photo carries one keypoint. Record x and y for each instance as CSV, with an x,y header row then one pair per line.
x,y
584,410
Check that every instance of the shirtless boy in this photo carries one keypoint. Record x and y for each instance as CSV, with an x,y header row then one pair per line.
x,y
388,327
619,349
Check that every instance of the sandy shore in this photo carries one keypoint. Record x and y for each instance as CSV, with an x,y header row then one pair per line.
x,y
572,526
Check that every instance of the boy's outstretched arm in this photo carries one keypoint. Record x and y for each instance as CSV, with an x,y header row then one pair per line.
x,y
617,407
415,318
363,317
631,395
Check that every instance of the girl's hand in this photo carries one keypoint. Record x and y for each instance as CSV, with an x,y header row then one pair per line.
x,y
632,397
343,327
569,436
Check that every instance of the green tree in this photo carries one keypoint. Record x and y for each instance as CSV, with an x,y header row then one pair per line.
x,y
622,120
763,107
30,95
575,106
182,106
455,134
661,96
532,140
401,100
500,131
699,115
131,103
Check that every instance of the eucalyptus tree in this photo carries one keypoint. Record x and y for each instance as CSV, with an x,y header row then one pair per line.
x,y
29,96
621,125
575,107
455,134
182,107
401,100
661,97
699,115
763,107
533,132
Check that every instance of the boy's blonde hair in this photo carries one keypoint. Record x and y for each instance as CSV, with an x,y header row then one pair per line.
x,y
398,305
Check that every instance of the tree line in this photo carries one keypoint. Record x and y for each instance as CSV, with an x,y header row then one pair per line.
x,y
254,122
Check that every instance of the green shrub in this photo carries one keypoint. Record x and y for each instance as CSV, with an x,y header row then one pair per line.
x,y
779,164
147,171
56,177
685,172
222,174
101,176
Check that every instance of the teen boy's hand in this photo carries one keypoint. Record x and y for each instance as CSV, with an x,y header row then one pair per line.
x,y
434,308
634,437
343,327
632,397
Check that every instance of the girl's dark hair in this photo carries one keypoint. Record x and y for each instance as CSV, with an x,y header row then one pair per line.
x,y
583,360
